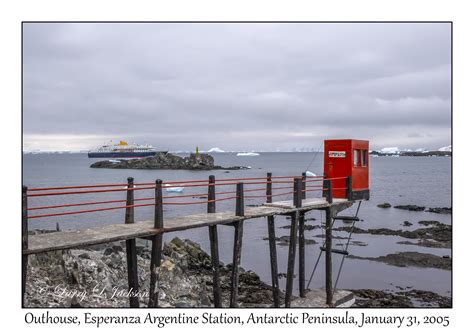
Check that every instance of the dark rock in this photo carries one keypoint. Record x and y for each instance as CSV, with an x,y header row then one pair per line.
x,y
167,161
406,259
429,223
285,240
117,248
439,232
407,223
410,207
440,210
384,205
306,227
401,299
84,256
428,243
108,251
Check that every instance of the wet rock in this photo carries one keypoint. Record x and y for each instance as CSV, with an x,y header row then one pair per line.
x,y
429,223
406,259
108,251
285,240
410,207
306,227
428,243
401,299
384,205
440,210
439,232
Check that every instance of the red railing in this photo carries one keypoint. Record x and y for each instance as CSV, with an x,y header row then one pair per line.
x,y
300,185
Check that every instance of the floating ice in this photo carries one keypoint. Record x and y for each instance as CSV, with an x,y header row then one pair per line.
x,y
448,148
174,189
248,154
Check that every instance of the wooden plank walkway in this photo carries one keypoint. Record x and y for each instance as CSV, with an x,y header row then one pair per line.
x,y
119,232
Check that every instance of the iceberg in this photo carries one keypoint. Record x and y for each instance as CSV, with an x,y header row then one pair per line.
x,y
174,189
390,150
215,149
248,154
447,148
309,173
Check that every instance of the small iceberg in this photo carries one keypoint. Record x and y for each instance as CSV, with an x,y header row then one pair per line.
x,y
248,154
215,149
309,173
174,189
114,161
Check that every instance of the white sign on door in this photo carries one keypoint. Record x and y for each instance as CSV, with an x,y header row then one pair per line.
x,y
337,154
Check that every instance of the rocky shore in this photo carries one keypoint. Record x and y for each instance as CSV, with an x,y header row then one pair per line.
x,y
98,278
166,161
433,234
404,298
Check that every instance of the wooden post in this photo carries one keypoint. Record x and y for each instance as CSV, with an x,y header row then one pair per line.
x,y
303,187
239,226
213,238
291,259
24,241
327,185
234,277
297,193
329,292
293,237
211,195
239,202
131,249
349,195
272,245
156,246
301,240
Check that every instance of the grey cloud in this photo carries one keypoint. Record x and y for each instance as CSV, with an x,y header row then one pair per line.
x,y
252,86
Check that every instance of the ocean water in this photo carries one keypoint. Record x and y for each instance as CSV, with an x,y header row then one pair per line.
x,y
423,181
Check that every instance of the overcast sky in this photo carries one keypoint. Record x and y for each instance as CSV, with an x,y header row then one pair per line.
x,y
236,86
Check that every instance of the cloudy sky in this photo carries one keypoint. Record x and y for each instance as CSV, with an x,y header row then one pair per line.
x,y
236,86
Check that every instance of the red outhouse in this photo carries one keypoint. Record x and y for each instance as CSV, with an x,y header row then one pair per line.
x,y
347,158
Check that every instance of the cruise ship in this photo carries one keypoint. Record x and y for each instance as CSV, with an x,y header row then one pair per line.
x,y
123,150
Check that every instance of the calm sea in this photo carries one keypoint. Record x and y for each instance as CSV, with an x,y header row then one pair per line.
x,y
423,181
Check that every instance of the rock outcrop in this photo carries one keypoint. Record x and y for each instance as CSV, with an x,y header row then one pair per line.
x,y
97,277
166,161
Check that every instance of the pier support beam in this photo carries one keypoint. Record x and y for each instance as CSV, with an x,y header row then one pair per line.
x,y
214,243
328,227
272,246
234,277
301,255
131,249
156,248
24,241
297,202
239,228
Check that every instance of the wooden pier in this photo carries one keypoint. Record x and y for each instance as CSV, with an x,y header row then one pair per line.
x,y
154,229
